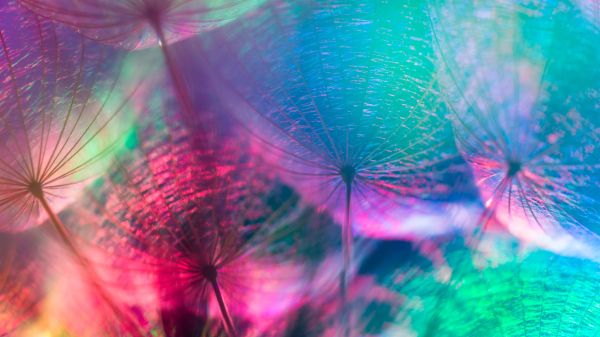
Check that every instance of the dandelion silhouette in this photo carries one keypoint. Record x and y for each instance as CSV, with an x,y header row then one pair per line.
x,y
344,97
196,216
515,293
525,112
142,23
54,132
21,287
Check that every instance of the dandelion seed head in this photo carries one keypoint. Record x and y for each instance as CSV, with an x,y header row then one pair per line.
x,y
210,272
524,118
194,217
347,172
513,168
36,189
341,95
55,129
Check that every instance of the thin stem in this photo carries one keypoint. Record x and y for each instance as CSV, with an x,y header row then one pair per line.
x,y
178,83
347,240
223,307
8,258
91,274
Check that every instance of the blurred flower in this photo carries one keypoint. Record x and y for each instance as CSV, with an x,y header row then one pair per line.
x,y
192,208
55,131
344,102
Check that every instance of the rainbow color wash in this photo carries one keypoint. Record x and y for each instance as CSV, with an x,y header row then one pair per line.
x,y
299,168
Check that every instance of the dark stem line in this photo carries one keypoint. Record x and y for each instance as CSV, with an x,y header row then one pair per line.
x,y
347,241
8,259
181,91
90,273
223,307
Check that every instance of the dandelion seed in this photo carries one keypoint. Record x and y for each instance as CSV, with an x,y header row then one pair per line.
x,y
344,102
54,132
143,23
525,112
197,218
